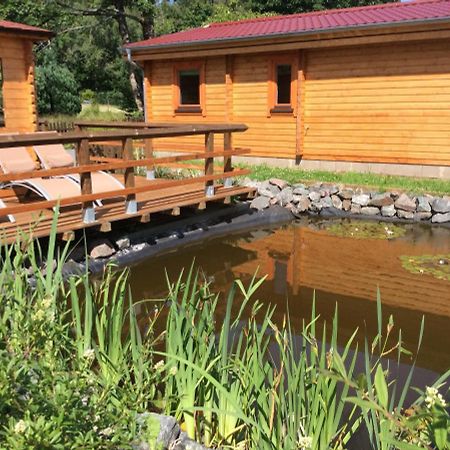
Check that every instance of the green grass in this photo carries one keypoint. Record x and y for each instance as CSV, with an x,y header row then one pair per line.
x,y
374,181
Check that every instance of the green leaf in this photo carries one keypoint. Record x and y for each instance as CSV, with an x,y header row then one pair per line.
x,y
381,387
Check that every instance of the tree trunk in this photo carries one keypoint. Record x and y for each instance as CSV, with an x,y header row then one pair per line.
x,y
132,67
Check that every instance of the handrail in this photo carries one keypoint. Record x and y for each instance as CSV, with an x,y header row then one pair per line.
x,y
126,134
44,138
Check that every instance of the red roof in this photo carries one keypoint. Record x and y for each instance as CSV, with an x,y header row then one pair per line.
x,y
6,25
328,20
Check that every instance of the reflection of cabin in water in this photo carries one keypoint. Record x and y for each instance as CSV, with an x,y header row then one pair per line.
x,y
17,95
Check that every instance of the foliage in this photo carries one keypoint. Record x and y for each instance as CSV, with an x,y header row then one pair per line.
x,y
57,90
74,368
262,172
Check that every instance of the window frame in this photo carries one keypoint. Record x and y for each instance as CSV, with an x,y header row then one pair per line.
x,y
178,108
273,106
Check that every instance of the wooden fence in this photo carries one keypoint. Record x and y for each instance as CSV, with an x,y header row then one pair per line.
x,y
86,163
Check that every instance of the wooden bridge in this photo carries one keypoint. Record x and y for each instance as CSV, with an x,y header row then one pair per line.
x,y
138,194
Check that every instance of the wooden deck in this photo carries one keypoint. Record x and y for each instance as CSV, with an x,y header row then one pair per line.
x,y
34,215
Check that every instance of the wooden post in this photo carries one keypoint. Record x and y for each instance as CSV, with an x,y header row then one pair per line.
x,y
127,152
148,152
209,164
83,158
227,164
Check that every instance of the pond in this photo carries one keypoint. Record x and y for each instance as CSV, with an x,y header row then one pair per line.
x,y
340,262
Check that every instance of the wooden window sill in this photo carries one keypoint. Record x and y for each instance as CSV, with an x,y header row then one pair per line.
x,y
281,109
188,110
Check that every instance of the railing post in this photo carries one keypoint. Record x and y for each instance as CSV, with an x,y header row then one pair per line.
x,y
227,164
209,164
83,158
148,151
127,152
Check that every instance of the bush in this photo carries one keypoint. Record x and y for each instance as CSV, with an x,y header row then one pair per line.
x,y
57,90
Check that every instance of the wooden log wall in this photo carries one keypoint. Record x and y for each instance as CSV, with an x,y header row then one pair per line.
x,y
387,103
19,103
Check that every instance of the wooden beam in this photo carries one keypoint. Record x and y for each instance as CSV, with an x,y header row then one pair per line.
x,y
229,87
67,236
105,227
300,119
128,154
227,163
145,218
148,151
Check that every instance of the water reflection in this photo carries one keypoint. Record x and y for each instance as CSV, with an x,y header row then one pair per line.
x,y
305,257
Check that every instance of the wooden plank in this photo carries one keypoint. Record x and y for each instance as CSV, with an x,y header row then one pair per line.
x,y
128,154
229,87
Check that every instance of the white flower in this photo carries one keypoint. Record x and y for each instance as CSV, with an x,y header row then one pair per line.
x,y
304,442
89,353
84,400
173,370
107,432
20,427
433,397
159,365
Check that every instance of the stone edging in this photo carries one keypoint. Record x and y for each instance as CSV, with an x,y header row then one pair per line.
x,y
341,200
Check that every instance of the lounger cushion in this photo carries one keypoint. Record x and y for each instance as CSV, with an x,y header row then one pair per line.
x,y
16,160
54,155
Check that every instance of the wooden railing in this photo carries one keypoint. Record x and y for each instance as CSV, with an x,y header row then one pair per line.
x,y
86,164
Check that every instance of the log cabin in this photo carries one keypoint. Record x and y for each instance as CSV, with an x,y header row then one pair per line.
x,y
18,111
365,88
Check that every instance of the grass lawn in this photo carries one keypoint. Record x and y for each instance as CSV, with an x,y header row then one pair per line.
x,y
374,181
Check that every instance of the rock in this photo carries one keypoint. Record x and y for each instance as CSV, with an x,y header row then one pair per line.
x,y
123,243
441,218
370,210
441,205
405,203
314,196
328,190
405,214
395,194
380,200
286,196
361,199
423,204
248,182
346,194
101,249
303,204
336,201
300,190
388,211
346,204
326,202
260,203
355,209
268,190
275,200
423,215
316,206
280,184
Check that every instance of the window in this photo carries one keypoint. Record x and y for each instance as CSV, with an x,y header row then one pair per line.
x,y
189,88
282,85
2,114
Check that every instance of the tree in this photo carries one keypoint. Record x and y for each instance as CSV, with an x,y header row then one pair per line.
x,y
57,90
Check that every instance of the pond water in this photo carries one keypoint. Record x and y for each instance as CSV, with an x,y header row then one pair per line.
x,y
341,262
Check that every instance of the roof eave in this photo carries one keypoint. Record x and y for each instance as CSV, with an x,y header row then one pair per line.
x,y
212,42
33,35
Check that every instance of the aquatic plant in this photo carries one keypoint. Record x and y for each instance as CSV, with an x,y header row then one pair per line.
x,y
365,229
438,266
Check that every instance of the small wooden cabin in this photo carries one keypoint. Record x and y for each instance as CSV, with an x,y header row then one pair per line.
x,y
17,92
364,88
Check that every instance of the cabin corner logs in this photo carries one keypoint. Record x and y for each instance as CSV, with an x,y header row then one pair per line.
x,y
383,103
17,77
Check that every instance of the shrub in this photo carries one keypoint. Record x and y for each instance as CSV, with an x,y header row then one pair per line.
x,y
57,90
